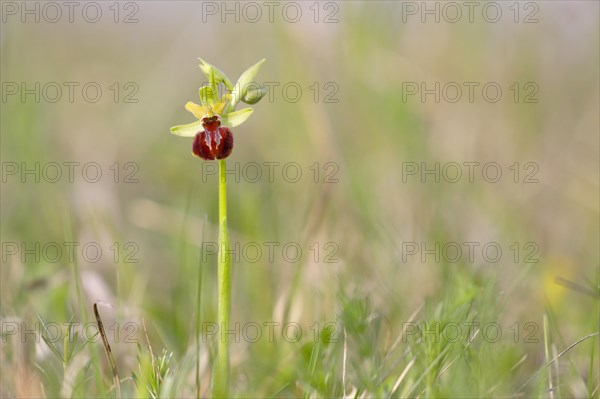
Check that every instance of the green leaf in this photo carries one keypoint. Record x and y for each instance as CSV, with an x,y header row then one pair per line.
x,y
189,130
236,118
254,94
46,337
242,85
214,74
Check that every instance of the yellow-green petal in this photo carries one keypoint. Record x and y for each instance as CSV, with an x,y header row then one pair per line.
x,y
198,110
189,130
220,106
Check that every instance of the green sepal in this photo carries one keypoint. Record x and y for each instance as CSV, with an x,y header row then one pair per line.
x,y
236,118
189,130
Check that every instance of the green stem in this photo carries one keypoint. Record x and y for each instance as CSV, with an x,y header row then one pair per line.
x,y
221,375
199,311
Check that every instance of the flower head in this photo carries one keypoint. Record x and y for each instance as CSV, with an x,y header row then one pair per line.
x,y
215,141
211,139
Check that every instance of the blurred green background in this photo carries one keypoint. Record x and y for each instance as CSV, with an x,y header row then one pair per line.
x,y
354,132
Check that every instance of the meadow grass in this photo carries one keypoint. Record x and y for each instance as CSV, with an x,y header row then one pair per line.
x,y
448,347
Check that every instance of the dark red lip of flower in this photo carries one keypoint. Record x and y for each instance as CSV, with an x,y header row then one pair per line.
x,y
214,142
